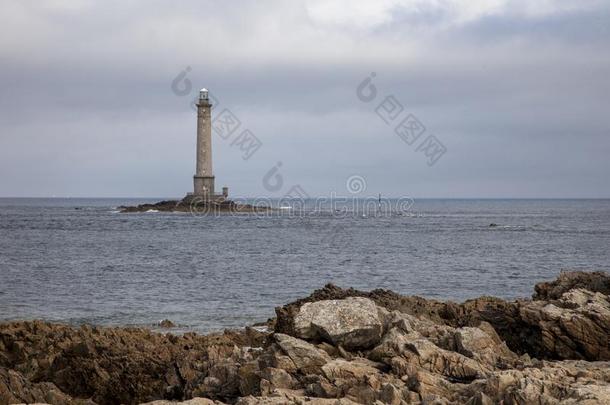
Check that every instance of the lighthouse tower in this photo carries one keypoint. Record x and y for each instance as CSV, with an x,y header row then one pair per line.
x,y
203,181
204,177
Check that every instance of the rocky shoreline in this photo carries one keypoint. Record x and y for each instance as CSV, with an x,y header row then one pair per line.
x,y
337,346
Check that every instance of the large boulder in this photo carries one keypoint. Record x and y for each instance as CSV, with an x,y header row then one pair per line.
x,y
424,354
484,345
306,357
359,379
353,322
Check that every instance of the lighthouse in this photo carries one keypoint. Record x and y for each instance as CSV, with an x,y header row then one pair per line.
x,y
203,199
203,181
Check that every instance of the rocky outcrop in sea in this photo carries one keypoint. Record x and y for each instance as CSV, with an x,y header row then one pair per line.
x,y
196,205
337,346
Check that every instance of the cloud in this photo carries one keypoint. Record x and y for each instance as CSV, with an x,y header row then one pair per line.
x,y
367,15
514,89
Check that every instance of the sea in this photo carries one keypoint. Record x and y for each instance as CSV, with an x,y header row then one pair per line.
x,y
80,261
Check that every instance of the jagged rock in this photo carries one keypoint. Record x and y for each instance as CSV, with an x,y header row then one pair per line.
x,y
356,370
249,379
221,382
427,352
275,358
319,386
361,393
98,363
484,345
430,387
194,401
566,382
288,399
574,327
15,388
505,317
306,357
480,399
390,394
406,352
393,344
568,280
352,322
481,343
274,378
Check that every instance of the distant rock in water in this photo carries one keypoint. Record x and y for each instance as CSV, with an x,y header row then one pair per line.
x,y
493,225
166,323
337,346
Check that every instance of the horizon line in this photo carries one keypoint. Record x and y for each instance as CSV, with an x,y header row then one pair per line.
x,y
308,198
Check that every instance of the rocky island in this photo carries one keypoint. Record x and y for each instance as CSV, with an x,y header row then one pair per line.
x,y
337,346
196,206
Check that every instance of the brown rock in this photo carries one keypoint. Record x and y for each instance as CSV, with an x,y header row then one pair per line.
x,y
356,370
194,401
426,352
485,346
565,382
569,280
480,399
15,388
306,357
98,363
249,379
576,326
390,394
274,378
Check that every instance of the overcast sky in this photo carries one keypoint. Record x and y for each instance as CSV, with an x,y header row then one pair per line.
x,y
517,93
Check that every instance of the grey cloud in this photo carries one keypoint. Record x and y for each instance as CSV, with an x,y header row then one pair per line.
x,y
519,101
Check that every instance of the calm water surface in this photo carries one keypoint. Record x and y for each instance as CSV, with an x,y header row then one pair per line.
x,y
77,260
